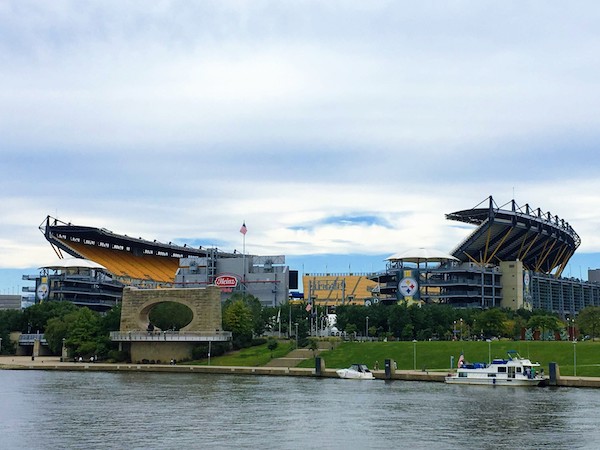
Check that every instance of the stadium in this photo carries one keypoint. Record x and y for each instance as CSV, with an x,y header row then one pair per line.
x,y
95,264
513,258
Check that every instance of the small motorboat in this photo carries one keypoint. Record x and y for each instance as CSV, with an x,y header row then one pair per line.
x,y
356,372
513,371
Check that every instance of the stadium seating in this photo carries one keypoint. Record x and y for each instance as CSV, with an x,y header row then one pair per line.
x,y
126,265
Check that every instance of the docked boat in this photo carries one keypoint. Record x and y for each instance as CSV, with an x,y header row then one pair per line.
x,y
513,371
356,372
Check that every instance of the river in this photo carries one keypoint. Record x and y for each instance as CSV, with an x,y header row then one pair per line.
x,y
106,410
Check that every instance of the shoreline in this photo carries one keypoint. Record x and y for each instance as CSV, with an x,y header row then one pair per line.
x,y
54,363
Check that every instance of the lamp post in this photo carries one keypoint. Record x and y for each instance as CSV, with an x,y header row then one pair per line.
x,y
296,324
489,341
461,332
574,358
367,328
454,331
414,354
0,345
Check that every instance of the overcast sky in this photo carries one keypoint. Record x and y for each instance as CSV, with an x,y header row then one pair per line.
x,y
345,129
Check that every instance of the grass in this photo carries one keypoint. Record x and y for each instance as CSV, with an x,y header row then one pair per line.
x,y
250,357
436,355
432,356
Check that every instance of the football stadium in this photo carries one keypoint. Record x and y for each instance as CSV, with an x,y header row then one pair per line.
x,y
514,257
95,264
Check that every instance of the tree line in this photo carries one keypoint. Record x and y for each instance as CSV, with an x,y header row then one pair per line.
x,y
85,332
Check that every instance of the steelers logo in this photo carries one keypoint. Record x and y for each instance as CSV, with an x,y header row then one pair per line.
x,y
408,287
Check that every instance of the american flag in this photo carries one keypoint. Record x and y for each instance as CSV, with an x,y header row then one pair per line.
x,y
244,230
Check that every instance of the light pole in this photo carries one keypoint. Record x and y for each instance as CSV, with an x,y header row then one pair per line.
x,y
414,354
461,333
454,331
296,324
0,345
574,358
489,341
367,328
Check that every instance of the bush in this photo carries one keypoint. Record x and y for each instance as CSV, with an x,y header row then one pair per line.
x,y
200,351
258,341
119,356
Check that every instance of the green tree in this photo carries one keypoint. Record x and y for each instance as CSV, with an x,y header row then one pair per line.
x,y
313,344
10,320
170,316
82,331
588,320
36,317
237,318
544,323
492,322
272,345
258,322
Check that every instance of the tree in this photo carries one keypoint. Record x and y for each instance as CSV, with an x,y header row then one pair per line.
x,y
588,320
492,322
258,323
237,318
543,323
82,331
9,321
272,345
36,317
170,316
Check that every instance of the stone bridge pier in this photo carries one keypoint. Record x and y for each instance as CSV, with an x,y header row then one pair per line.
x,y
162,345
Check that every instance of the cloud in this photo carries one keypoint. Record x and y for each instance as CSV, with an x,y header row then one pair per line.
x,y
331,128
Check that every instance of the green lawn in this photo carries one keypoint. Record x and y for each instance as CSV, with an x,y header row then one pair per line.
x,y
436,355
429,355
250,357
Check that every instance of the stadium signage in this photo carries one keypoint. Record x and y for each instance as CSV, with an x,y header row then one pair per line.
x,y
226,281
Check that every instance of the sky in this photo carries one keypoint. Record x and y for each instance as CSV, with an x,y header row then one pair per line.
x,y
340,132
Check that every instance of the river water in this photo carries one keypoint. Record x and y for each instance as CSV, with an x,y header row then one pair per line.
x,y
96,410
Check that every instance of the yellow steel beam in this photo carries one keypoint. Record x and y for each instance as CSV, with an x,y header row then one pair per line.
x,y
499,245
545,256
487,244
524,255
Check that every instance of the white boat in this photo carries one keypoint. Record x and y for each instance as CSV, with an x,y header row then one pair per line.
x,y
356,372
513,371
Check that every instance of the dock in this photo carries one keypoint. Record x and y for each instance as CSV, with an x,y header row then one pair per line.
x,y
54,363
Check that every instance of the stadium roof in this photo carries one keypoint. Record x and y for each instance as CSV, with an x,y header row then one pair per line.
x,y
73,263
126,257
543,242
419,255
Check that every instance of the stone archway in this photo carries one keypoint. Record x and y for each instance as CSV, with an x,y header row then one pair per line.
x,y
205,304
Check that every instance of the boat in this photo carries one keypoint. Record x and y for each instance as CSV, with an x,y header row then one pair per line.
x,y
356,372
513,371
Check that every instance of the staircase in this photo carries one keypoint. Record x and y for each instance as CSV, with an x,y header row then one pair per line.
x,y
295,357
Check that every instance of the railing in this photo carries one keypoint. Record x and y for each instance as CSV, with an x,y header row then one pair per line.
x,y
30,338
171,336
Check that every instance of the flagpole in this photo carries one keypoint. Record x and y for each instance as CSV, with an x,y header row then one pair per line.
x,y
244,230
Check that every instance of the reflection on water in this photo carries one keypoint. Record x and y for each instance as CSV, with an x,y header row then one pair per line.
x,y
55,410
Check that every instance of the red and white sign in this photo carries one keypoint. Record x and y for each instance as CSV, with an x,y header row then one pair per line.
x,y
226,281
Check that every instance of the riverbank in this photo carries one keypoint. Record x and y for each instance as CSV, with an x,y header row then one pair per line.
x,y
54,363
